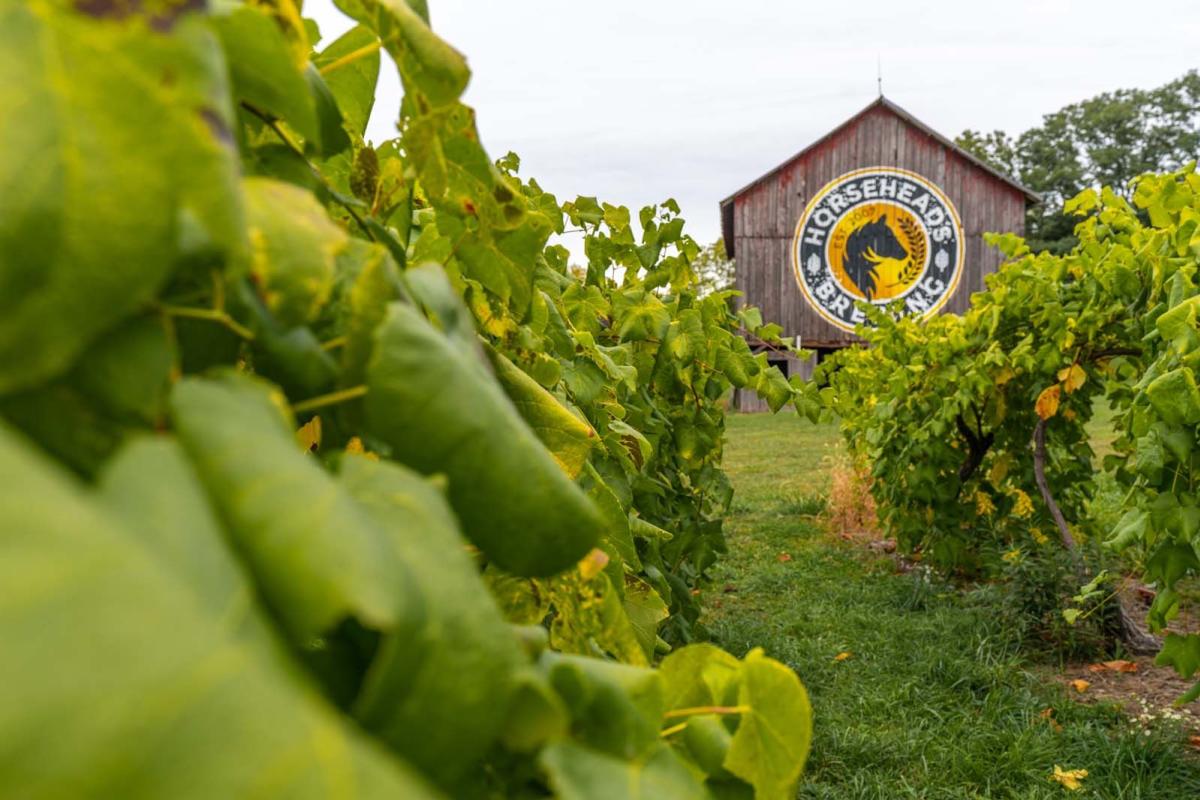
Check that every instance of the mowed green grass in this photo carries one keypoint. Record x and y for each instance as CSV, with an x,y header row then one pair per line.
x,y
933,701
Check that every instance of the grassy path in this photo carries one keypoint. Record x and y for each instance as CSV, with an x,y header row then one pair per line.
x,y
932,701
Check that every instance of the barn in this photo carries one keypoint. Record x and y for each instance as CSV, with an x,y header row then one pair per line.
x,y
882,208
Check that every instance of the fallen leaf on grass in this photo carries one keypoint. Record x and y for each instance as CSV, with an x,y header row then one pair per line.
x,y
1194,741
842,656
1048,715
1069,778
784,557
1080,685
1114,666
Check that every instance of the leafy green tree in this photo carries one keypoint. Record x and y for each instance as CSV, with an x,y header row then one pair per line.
x,y
714,269
1107,140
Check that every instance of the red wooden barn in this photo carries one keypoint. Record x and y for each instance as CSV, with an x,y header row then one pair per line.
x,y
881,209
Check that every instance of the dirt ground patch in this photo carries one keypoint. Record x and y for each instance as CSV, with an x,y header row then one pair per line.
x,y
1146,693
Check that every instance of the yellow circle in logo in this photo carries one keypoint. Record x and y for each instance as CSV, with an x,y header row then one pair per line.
x,y
889,241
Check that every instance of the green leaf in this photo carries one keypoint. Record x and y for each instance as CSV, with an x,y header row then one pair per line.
x,y
453,658
294,247
1175,397
707,741
265,75
127,371
639,315
315,553
332,136
66,423
366,305
1179,325
617,536
773,387
121,136
615,708
1130,529
733,357
1181,652
441,412
579,773
352,83
773,737
646,610
153,488
700,675
568,438
117,386
536,715
90,606
429,68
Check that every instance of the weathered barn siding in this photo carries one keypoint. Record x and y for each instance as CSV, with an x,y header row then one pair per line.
x,y
759,221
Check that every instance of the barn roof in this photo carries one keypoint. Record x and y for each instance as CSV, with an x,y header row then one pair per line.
x,y
1031,196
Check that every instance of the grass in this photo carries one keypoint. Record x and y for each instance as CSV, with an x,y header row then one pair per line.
x,y
934,701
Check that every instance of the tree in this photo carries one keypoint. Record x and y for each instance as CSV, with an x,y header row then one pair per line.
x,y
714,269
1107,140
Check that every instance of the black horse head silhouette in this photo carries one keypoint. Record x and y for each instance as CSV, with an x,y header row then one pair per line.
x,y
865,248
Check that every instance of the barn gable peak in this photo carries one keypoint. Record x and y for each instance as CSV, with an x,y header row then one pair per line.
x,y
881,102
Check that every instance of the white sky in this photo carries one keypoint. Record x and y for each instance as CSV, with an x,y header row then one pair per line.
x,y
635,101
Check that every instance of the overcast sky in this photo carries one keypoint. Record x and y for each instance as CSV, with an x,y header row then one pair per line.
x,y
635,101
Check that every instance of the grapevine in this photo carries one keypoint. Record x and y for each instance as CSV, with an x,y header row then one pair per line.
x,y
973,426
325,473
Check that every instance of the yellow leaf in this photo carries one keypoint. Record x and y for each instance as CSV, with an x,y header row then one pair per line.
x,y
1004,376
1072,377
1069,778
842,656
354,447
591,564
1080,685
309,435
1047,402
1048,715
999,470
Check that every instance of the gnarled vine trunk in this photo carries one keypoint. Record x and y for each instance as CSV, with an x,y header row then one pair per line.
x,y
1135,637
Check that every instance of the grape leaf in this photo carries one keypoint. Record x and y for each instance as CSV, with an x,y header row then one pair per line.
x,y
454,659
119,672
88,234
579,773
440,412
774,734
316,555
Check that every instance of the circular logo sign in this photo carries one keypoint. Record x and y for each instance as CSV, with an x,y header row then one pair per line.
x,y
880,234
